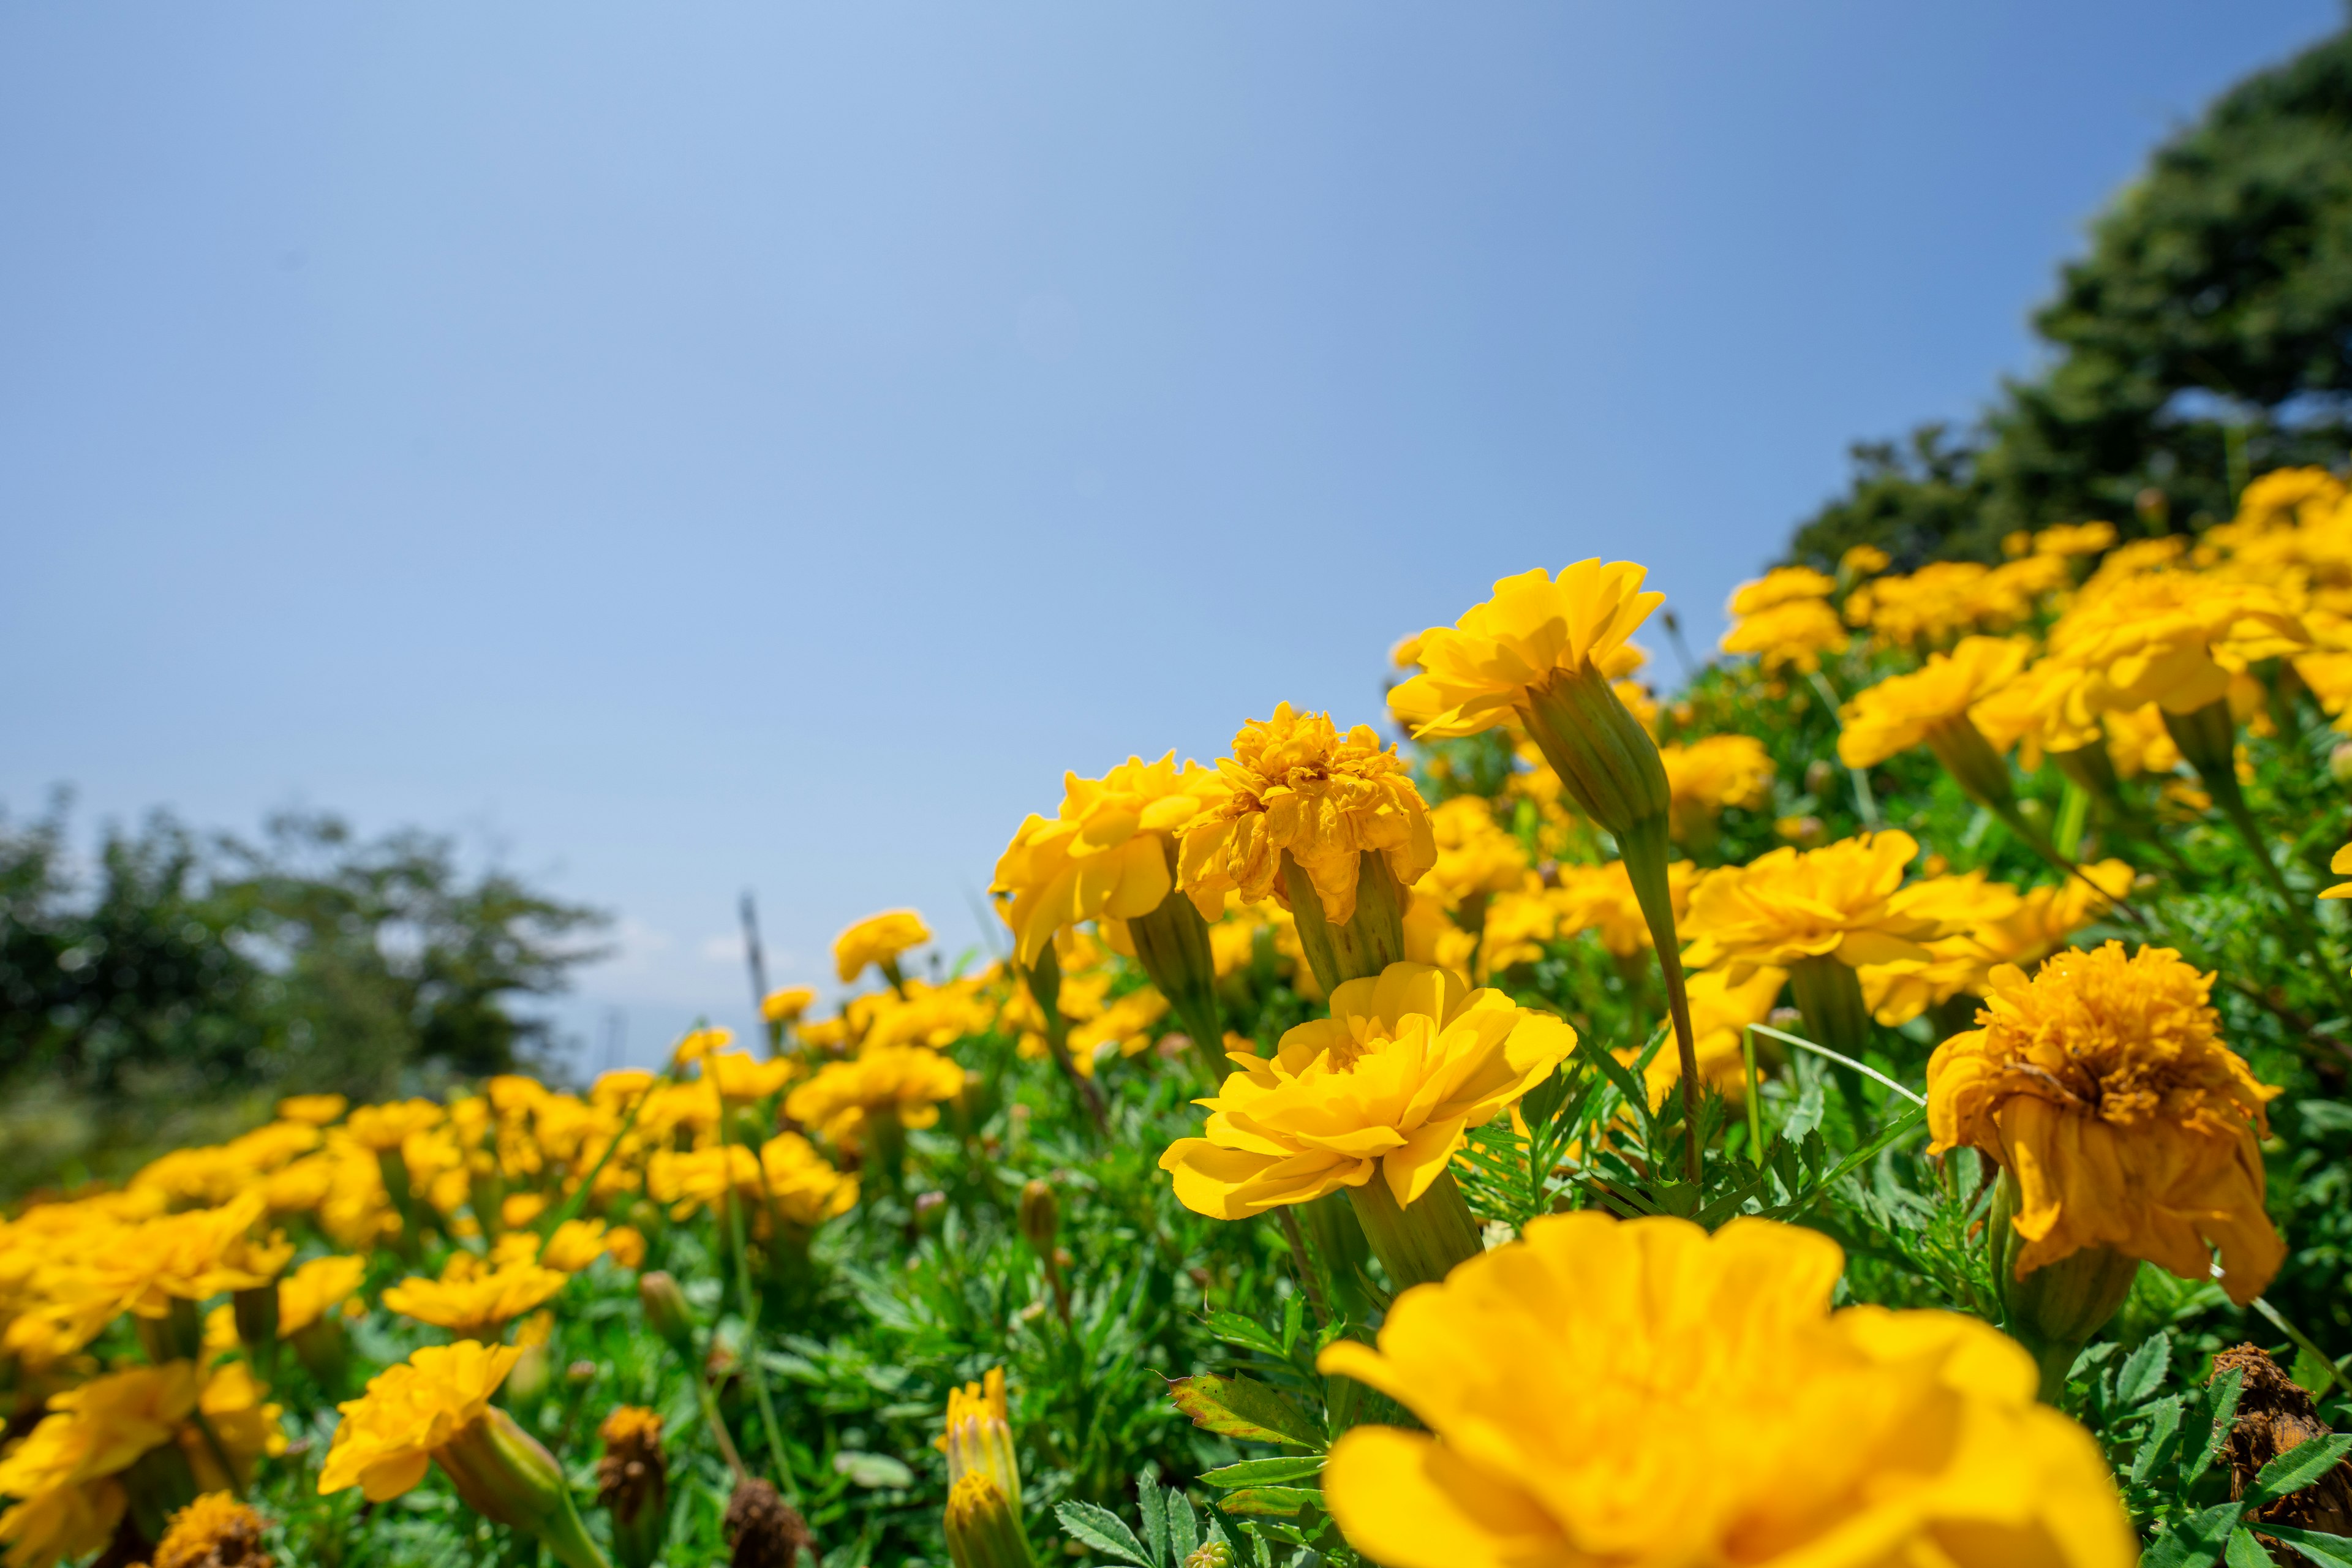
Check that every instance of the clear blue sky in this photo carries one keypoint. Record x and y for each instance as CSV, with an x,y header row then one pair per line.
x,y
680,448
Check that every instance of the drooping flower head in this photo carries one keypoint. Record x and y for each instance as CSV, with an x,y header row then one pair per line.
x,y
1481,667
1384,1088
1907,710
1105,853
877,939
1844,900
388,1436
1295,785
2103,1085
1642,1395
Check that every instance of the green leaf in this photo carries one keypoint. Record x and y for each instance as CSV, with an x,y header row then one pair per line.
x,y
2298,1468
2327,1551
2197,1541
2222,1399
2163,1431
1184,1529
1610,1068
2143,1374
872,1469
1280,1503
1235,1330
1243,1408
1152,1503
1102,1530
2245,1551
1263,1472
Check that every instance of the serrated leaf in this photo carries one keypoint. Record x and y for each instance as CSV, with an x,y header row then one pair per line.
x,y
1152,1503
2298,1468
1102,1530
1610,1068
1243,1408
1263,1472
2318,1545
1235,1330
1279,1502
2143,1372
1184,1529
2163,1429
2245,1551
2197,1541
2222,1398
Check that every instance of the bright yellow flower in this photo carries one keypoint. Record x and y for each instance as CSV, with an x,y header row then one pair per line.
x,y
316,1288
786,1004
1864,561
318,1109
806,1191
2342,865
62,1472
1105,854
477,1307
1386,1086
1641,1395
2075,539
1481,667
933,1015
1947,598
578,1242
1904,711
906,1079
1781,585
1794,633
1845,901
215,1529
1712,772
1295,785
697,1044
877,939
1475,854
388,1436
979,1435
381,1129
2101,1084
2171,638
740,1080
2003,928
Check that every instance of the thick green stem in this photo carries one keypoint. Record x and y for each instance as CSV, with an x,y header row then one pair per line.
x,y
749,1304
1420,1245
1369,941
1644,848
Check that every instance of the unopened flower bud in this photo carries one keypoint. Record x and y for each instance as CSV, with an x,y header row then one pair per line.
x,y
1211,1554
2053,1311
666,1313
764,1530
507,1476
1041,1216
1606,762
983,1526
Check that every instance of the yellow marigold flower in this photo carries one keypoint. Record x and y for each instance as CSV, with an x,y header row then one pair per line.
x,y
383,1128
318,1109
1781,585
1940,600
61,1470
1295,785
2076,539
740,1080
318,1287
2342,865
213,1529
1599,899
1864,561
877,939
1387,1086
1108,852
698,1044
1710,773
2291,497
389,1434
1642,1395
2004,927
801,1187
786,1004
1792,634
1124,1027
2171,638
1481,667
1475,854
1405,652
2103,1085
578,1242
933,1015
1720,1013
1845,901
1907,710
478,1307
979,1435
806,1191
905,1079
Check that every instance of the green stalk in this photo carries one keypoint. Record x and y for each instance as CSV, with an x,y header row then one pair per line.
x,y
747,1302
1420,1245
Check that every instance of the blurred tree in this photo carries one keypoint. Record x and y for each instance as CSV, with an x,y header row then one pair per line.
x,y
311,961
2207,335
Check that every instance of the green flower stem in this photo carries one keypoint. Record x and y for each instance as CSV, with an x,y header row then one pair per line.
x,y
749,1304
1172,943
1368,941
1420,1245
1829,995
1045,982
1644,849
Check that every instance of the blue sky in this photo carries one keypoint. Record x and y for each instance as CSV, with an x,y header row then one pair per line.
x,y
679,449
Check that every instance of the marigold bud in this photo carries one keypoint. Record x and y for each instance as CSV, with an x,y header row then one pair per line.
x,y
983,1526
666,1311
507,1476
1041,1216
764,1530
2053,1311
1211,1554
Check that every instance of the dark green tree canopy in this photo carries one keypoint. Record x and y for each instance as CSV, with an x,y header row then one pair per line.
x,y
2206,335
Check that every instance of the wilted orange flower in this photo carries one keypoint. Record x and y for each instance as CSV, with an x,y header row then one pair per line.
x,y
1386,1088
877,939
1296,786
1481,667
213,1531
2103,1085
1107,853
1642,1395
